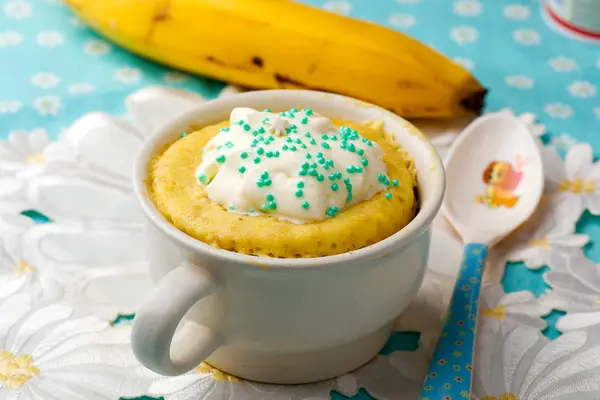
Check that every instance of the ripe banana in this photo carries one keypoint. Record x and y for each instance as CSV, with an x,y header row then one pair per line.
x,y
285,44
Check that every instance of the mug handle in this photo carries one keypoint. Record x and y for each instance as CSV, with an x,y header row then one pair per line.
x,y
157,319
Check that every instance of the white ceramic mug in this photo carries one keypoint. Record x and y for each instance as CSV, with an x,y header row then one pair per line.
x,y
279,320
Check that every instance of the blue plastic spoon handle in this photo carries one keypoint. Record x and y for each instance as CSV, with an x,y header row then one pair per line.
x,y
450,371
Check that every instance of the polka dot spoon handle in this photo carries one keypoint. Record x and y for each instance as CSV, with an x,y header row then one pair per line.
x,y
450,372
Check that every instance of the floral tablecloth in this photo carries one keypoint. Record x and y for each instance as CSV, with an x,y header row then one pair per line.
x,y
71,244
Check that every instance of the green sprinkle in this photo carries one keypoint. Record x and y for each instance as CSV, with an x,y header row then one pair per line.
x,y
221,159
358,169
262,130
304,121
395,182
293,110
303,172
268,182
242,169
260,184
349,197
308,156
270,197
293,148
333,137
184,134
313,165
321,161
313,172
269,154
360,152
364,162
244,155
343,145
265,207
276,154
347,181
326,146
260,151
267,110
312,141
299,193
300,185
351,147
240,122
224,130
307,134
324,136
255,133
298,141
305,205
388,196
307,111
305,165
332,211
284,147
320,178
350,169
247,127
334,187
264,175
202,177
319,154
332,177
272,205
289,140
256,160
303,146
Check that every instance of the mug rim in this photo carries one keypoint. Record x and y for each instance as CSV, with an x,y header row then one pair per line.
x,y
407,234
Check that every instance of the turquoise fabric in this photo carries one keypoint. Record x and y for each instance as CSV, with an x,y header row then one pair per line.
x,y
53,69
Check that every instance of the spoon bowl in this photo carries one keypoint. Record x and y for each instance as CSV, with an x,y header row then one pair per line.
x,y
495,153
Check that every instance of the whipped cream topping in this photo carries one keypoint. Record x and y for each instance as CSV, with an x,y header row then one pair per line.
x,y
294,165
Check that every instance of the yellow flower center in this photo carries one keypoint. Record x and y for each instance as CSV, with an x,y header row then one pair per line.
x,y
23,267
38,158
505,396
578,186
216,374
542,243
15,371
496,313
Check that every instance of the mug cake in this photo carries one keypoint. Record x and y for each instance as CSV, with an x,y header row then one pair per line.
x,y
291,184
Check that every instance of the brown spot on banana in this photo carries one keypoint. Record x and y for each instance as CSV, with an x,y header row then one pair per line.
x,y
161,14
258,61
226,65
474,101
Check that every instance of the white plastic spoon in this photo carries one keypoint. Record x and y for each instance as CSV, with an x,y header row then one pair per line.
x,y
495,181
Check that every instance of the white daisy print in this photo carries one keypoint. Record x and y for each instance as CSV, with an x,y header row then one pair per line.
x,y
577,287
464,34
502,312
10,106
81,88
563,142
465,63
10,38
559,110
527,37
17,9
96,47
71,360
517,12
50,39
44,80
338,6
127,75
551,243
519,81
48,105
576,182
402,20
468,8
175,77
527,365
562,64
582,89
23,149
